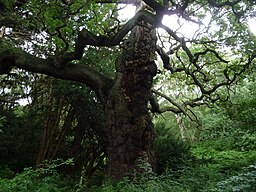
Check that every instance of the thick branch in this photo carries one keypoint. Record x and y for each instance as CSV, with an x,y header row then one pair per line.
x,y
118,1
85,37
185,5
75,72
166,61
178,108
181,40
155,5
152,3
222,4
155,108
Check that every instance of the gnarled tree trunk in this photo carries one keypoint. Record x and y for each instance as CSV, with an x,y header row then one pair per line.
x,y
128,124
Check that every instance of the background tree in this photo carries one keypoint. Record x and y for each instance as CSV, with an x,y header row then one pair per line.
x,y
17,134
53,37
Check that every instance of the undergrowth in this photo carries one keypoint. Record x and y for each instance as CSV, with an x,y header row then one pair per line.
x,y
212,170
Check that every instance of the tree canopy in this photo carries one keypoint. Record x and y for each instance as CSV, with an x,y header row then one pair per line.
x,y
51,37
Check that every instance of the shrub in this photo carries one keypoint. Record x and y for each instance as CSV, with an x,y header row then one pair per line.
x,y
244,182
44,180
5,172
171,151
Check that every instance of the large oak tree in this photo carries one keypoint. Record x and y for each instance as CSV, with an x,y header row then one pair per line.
x,y
51,37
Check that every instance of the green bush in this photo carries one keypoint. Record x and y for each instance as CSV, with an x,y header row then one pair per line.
x,y
244,182
162,183
42,180
172,153
5,172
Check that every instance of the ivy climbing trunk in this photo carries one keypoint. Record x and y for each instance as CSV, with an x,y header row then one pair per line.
x,y
128,123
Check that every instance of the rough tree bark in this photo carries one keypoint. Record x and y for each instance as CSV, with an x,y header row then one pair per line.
x,y
128,124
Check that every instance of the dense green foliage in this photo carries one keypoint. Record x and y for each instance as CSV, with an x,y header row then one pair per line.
x,y
43,179
221,157
56,141
171,151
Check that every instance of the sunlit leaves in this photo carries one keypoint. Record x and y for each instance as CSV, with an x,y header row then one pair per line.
x,y
59,22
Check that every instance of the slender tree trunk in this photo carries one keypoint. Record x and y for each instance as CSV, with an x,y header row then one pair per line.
x,y
181,127
128,124
44,139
